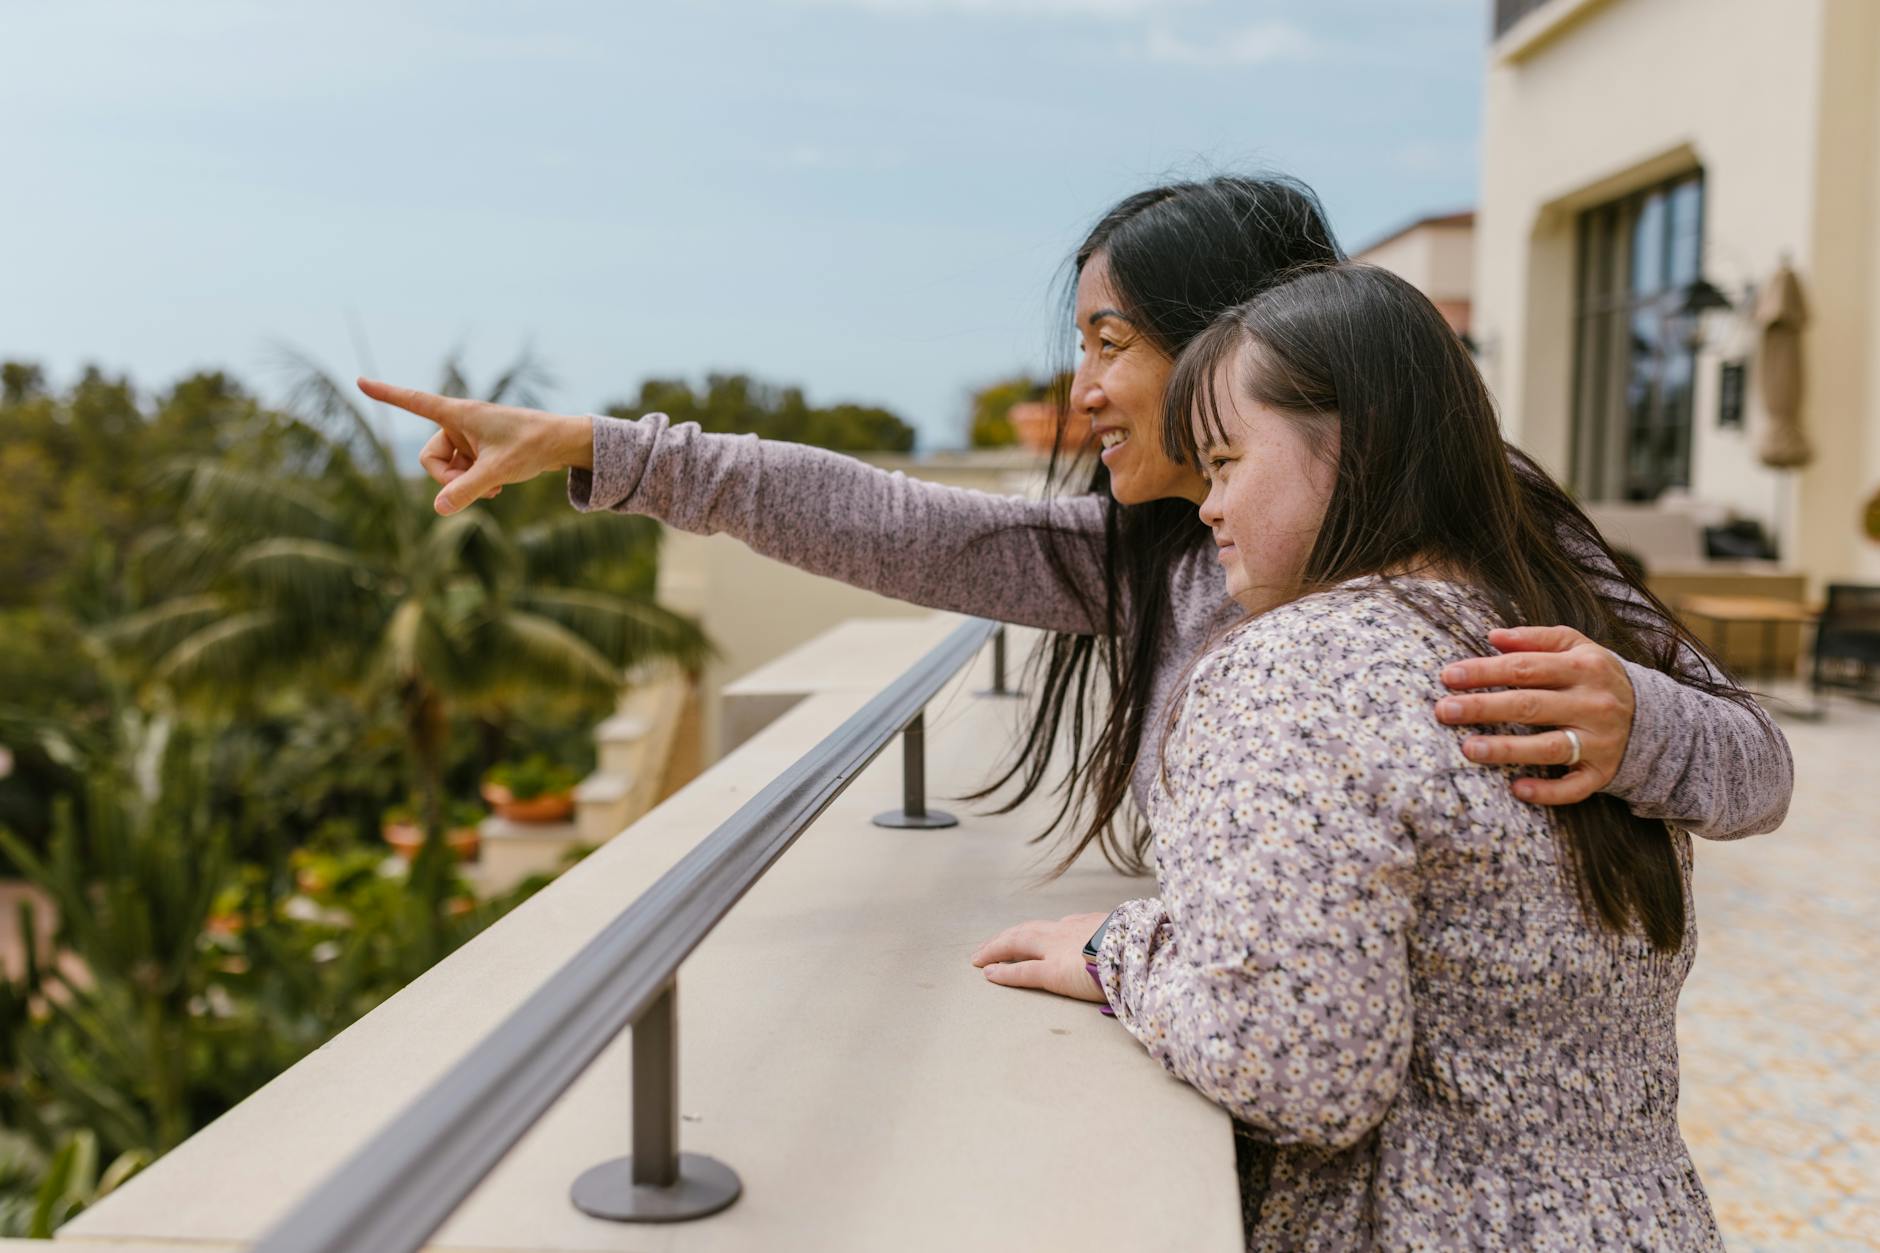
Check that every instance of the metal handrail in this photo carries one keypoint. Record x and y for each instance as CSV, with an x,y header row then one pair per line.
x,y
401,1186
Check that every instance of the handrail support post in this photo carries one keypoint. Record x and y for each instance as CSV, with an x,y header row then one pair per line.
x,y
657,1183
656,1092
913,815
999,687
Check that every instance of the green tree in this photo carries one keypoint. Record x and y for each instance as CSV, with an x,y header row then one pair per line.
x,y
323,569
179,983
78,469
989,417
738,404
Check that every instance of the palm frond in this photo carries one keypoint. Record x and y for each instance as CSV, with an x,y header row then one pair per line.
x,y
309,574
518,651
310,452
399,652
470,542
153,632
419,647
522,383
66,744
454,382
230,655
180,558
317,398
250,502
559,550
624,629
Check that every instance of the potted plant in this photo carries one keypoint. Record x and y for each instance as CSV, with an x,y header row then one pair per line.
x,y
532,790
404,831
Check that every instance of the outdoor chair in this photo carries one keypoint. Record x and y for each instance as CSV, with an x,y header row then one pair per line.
x,y
1847,640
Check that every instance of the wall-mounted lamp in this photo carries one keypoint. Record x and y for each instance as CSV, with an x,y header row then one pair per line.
x,y
1712,317
1701,296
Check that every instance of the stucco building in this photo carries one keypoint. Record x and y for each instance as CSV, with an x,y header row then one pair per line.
x,y
1438,255
1648,169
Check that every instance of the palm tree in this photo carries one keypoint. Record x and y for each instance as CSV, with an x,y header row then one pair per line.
x,y
311,564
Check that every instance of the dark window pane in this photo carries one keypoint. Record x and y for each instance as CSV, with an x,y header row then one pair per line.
x,y
1635,366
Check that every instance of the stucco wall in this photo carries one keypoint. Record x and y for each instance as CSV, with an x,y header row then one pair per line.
x,y
1844,407
1776,103
1440,260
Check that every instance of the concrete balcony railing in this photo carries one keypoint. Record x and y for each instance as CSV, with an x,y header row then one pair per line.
x,y
837,1050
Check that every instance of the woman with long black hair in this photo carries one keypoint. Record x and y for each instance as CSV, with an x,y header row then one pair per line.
x,y
1449,1016
1115,565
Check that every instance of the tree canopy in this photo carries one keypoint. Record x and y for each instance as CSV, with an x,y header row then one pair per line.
x,y
739,404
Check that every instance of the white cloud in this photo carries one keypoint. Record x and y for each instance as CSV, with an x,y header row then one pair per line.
x,y
1251,45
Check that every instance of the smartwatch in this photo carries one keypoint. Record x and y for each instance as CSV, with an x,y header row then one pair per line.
x,y
1092,947
1094,944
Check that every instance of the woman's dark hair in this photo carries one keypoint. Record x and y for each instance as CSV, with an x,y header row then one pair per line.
x,y
1179,255
1425,480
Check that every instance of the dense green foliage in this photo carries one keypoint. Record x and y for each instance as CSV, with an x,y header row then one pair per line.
x,y
531,777
989,415
738,403
231,641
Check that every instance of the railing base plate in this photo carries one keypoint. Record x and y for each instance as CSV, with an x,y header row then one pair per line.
x,y
901,820
706,1185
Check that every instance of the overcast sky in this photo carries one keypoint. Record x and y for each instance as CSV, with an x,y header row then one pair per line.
x,y
870,198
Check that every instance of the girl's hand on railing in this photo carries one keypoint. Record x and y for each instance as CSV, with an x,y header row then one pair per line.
x,y
1561,680
479,446
1044,955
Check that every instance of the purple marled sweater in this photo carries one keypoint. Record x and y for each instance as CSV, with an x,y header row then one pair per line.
x,y
1718,769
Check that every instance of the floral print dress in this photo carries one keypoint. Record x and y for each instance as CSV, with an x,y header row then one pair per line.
x,y
1366,950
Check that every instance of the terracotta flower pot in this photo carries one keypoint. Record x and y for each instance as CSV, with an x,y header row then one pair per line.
x,y
224,924
407,838
548,807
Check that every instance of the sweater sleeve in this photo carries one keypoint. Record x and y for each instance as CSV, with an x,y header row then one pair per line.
x,y
1272,973
1033,562
1716,768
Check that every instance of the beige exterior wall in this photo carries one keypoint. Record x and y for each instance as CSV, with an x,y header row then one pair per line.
x,y
1438,259
1777,104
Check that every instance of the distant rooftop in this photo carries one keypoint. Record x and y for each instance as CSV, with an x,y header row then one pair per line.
x,y
1437,221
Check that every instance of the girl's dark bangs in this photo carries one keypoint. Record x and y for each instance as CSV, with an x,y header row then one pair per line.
x,y
1192,394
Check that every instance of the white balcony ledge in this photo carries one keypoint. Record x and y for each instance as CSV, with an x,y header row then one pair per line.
x,y
838,1051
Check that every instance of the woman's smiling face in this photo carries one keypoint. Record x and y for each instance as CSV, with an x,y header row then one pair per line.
x,y
1269,481
1119,385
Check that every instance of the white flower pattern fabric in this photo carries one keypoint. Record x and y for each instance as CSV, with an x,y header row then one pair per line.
x,y
1365,950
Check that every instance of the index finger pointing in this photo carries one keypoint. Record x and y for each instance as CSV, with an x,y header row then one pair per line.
x,y
424,404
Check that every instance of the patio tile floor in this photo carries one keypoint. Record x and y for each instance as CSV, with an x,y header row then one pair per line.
x,y
1777,1027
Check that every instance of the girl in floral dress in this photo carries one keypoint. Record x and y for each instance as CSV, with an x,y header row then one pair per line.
x,y
1446,1017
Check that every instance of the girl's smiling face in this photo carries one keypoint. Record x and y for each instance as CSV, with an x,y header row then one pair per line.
x,y
1269,477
